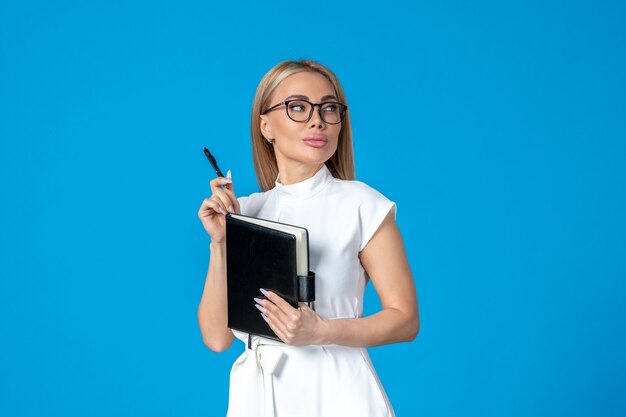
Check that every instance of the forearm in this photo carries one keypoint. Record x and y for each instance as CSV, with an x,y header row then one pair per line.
x,y
213,308
387,326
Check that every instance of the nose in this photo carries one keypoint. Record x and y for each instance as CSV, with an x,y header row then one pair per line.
x,y
316,116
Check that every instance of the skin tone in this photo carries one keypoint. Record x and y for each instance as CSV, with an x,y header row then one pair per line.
x,y
296,159
301,150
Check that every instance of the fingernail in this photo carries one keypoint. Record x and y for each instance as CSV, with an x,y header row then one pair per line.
x,y
231,208
228,181
264,292
228,175
265,318
259,300
261,309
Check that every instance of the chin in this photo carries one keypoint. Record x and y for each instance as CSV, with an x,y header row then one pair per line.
x,y
307,155
319,154
317,158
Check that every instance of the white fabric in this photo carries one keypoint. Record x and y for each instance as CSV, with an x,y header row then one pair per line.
x,y
277,380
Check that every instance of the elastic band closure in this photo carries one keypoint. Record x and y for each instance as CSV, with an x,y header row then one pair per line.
x,y
306,287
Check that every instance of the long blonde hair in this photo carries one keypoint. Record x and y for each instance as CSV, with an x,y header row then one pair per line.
x,y
341,164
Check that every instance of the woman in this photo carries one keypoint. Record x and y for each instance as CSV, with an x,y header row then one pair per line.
x,y
302,148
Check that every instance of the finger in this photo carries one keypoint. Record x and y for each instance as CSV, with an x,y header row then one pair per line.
x,y
233,199
218,182
216,200
228,189
221,205
224,200
268,312
303,307
277,328
277,316
211,204
230,177
207,207
283,305
287,326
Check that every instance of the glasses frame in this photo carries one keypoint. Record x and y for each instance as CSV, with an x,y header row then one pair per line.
x,y
342,114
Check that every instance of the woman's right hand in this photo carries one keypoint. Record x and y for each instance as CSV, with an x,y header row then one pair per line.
x,y
214,208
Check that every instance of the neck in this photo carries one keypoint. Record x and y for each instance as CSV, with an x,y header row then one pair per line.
x,y
294,174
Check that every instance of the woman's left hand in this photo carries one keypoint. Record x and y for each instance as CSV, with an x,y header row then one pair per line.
x,y
296,327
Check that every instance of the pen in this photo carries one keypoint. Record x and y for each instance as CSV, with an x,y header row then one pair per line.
x,y
213,162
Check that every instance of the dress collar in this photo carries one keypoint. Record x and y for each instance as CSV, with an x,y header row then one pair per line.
x,y
307,188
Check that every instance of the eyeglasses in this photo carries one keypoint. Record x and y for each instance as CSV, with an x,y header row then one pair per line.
x,y
301,110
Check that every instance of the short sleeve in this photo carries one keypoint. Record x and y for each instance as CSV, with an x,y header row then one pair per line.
x,y
251,204
372,212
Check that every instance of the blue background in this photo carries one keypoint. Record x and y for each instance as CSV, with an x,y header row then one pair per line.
x,y
497,127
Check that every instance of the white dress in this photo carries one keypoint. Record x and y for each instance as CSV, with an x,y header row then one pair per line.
x,y
273,379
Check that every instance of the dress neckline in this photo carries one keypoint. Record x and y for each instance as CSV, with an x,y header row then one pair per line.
x,y
306,188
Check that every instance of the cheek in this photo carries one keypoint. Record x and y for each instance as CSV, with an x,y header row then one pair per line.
x,y
335,134
287,129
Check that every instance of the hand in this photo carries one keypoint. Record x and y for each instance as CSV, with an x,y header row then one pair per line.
x,y
213,209
296,327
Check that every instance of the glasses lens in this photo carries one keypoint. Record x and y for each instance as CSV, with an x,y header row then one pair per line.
x,y
298,111
332,112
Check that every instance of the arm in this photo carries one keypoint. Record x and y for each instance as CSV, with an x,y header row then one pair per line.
x,y
384,259
213,308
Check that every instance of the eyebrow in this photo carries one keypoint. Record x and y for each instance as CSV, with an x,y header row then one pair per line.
x,y
301,97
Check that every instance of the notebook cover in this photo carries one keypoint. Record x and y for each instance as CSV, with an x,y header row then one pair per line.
x,y
257,257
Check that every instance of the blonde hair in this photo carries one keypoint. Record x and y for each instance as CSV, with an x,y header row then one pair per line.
x,y
341,164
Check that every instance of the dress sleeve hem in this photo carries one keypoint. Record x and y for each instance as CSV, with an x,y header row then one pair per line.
x,y
367,236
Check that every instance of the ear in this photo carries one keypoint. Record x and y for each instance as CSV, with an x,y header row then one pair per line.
x,y
266,128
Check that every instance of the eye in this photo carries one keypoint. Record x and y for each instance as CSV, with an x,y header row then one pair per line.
x,y
330,108
297,106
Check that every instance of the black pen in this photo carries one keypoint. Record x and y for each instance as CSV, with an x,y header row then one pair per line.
x,y
213,162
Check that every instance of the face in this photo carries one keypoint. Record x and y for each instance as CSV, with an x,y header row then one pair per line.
x,y
301,143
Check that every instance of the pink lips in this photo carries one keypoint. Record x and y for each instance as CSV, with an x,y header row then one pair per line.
x,y
316,141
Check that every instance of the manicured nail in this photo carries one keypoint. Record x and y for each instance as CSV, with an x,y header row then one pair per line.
x,y
265,292
259,300
228,181
228,175
265,318
261,309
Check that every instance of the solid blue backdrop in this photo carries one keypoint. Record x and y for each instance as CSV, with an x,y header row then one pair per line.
x,y
497,128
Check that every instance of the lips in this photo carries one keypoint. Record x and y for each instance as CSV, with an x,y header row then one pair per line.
x,y
316,141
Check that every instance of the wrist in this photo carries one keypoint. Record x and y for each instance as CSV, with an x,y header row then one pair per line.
x,y
216,245
326,332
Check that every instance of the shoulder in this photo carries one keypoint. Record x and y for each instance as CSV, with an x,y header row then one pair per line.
x,y
358,191
367,206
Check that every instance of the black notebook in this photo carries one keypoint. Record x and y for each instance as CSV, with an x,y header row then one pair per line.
x,y
264,254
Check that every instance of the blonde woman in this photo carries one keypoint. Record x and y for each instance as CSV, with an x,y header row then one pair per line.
x,y
303,158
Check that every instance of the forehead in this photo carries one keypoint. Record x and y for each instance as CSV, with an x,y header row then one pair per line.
x,y
311,84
